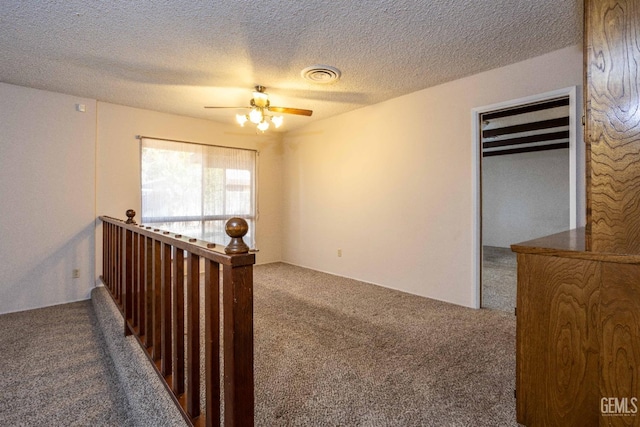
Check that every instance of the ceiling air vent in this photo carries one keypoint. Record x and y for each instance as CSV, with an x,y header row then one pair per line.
x,y
321,74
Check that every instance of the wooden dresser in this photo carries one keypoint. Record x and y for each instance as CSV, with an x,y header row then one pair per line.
x,y
578,302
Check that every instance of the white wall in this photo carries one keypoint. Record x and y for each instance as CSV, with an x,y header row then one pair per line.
x,y
47,198
118,165
60,169
524,196
392,184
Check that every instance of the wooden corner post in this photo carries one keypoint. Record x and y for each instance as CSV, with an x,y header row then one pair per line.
x,y
238,329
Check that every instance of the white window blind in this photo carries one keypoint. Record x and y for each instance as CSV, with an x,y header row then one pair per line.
x,y
193,189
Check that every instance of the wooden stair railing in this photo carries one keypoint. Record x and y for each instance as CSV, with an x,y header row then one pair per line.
x,y
144,271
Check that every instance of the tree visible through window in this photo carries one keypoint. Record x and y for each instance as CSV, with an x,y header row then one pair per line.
x,y
194,189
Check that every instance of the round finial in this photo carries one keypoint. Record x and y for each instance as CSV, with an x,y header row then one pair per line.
x,y
130,214
236,228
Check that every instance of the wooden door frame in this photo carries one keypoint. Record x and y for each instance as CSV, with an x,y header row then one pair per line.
x,y
574,153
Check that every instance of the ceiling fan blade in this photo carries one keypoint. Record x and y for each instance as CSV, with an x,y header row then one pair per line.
x,y
234,108
285,110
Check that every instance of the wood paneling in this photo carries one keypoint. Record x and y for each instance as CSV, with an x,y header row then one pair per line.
x,y
577,335
557,342
578,327
587,127
619,327
613,124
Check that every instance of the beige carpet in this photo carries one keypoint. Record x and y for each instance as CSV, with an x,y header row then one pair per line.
x,y
333,352
499,278
55,371
329,351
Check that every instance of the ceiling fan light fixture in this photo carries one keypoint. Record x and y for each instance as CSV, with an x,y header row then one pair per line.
x,y
256,116
263,125
261,112
261,99
241,119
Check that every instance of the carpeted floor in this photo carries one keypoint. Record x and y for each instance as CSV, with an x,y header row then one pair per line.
x,y
499,278
329,351
333,352
54,370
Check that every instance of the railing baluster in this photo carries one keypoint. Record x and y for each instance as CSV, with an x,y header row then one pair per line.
x,y
117,268
156,324
148,291
177,317
105,254
108,264
193,335
135,282
165,309
105,245
119,261
112,261
142,249
212,341
127,274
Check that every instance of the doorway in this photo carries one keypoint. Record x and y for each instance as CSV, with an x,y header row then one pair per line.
x,y
525,159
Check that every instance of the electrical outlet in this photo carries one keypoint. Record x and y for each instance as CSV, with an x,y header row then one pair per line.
x,y
339,253
76,273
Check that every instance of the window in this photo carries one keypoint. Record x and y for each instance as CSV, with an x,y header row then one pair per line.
x,y
193,189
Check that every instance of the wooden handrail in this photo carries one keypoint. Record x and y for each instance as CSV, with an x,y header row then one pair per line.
x,y
144,271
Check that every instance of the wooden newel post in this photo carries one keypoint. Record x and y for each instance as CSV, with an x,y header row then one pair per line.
x,y
238,330
236,228
130,214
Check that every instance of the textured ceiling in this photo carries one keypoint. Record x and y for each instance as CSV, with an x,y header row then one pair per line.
x,y
177,56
